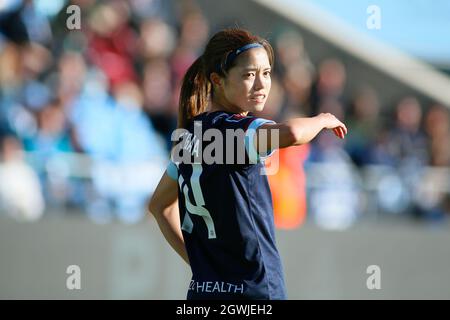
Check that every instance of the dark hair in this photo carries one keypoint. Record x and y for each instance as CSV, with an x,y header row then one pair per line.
x,y
196,86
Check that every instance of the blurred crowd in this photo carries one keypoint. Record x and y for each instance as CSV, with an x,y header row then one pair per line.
x,y
109,93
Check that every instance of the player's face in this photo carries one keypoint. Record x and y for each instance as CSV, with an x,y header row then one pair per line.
x,y
248,83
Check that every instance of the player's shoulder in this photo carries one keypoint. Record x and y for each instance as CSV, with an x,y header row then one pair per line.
x,y
228,118
239,118
223,120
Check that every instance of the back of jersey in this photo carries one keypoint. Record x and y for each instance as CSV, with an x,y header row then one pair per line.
x,y
226,210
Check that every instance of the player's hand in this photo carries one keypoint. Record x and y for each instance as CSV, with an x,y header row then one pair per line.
x,y
331,122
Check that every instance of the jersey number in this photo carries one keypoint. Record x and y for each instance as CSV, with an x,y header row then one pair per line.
x,y
198,208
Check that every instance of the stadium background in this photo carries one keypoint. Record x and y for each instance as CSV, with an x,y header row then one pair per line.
x,y
85,123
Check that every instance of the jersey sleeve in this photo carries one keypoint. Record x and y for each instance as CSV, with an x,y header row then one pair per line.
x,y
172,170
250,133
249,124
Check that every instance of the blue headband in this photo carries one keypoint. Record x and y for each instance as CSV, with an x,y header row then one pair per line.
x,y
234,54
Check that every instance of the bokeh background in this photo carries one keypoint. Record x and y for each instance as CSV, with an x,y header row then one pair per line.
x,y
86,117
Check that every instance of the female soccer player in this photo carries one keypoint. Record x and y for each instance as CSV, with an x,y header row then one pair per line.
x,y
218,216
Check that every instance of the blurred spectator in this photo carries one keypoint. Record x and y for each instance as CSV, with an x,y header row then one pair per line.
x,y
435,190
330,84
36,61
134,133
407,141
52,134
51,139
92,116
194,30
36,23
296,71
12,25
22,90
20,191
408,148
11,66
70,76
290,50
297,81
437,127
157,39
113,43
158,102
365,125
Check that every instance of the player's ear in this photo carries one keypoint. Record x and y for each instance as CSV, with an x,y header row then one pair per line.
x,y
216,80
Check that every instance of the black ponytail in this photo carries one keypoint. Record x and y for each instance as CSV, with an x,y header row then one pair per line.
x,y
194,93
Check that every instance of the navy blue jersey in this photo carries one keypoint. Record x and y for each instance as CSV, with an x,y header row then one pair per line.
x,y
227,218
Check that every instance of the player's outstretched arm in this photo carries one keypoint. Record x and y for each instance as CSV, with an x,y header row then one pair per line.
x,y
300,131
164,207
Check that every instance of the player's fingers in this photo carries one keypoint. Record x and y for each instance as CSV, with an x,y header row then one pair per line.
x,y
343,127
338,133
